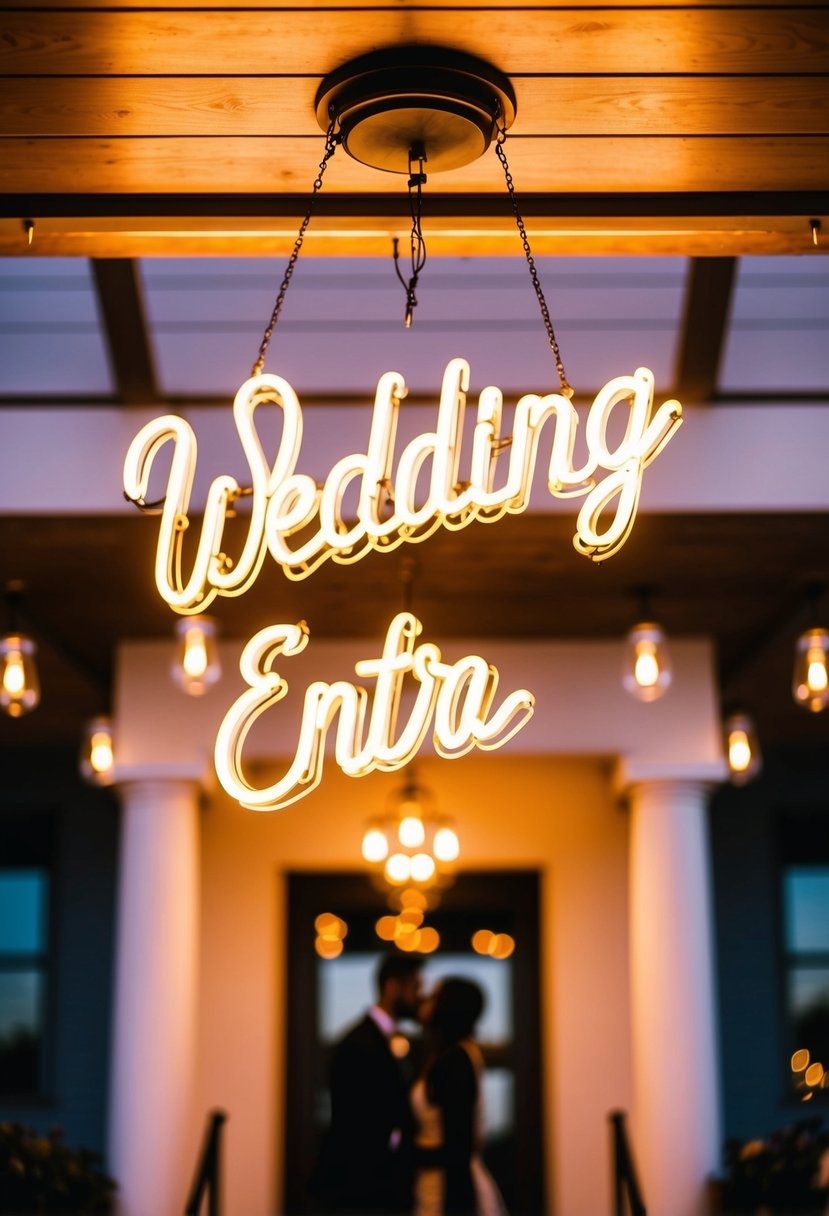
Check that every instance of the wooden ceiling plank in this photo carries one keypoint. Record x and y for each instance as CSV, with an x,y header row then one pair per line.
x,y
122,311
369,5
283,106
258,164
614,40
707,302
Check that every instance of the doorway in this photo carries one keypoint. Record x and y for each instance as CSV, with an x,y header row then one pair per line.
x,y
326,995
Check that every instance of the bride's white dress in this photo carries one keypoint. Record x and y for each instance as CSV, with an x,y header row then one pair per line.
x,y
429,1183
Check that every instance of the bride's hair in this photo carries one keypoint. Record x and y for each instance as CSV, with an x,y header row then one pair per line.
x,y
458,1005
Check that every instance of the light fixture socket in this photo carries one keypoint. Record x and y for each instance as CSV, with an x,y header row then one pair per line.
x,y
392,101
742,748
19,683
647,670
196,663
97,759
810,679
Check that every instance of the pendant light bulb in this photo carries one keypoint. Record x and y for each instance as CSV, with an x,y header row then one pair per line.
x,y
196,665
810,682
19,684
647,671
742,748
97,762
375,846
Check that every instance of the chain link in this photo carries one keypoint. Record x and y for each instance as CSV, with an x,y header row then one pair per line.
x,y
331,142
500,140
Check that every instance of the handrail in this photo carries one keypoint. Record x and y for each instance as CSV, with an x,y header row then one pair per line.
x,y
625,1180
207,1176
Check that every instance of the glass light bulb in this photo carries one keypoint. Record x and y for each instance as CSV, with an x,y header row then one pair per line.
x,y
739,751
398,868
19,686
14,680
196,664
97,759
646,669
375,847
423,867
195,654
446,846
810,680
411,832
742,748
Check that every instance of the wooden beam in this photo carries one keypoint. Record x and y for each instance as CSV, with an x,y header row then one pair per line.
x,y
122,312
707,302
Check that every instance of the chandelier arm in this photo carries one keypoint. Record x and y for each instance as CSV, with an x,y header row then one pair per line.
x,y
332,139
500,140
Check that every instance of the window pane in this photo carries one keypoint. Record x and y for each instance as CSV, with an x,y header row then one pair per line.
x,y
21,1030
22,911
806,904
809,1008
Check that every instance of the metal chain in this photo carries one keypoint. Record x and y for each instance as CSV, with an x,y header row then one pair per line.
x,y
416,239
331,142
500,140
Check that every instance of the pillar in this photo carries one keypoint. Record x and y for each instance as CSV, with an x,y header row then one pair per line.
x,y
154,1032
676,1113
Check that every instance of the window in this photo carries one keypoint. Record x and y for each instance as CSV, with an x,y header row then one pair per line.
x,y
24,939
806,941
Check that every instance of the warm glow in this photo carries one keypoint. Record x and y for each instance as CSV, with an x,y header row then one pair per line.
x,y
19,686
646,667
411,916
429,940
195,654
398,868
100,751
814,1074
446,846
497,479
385,928
14,678
460,697
501,946
331,928
816,676
482,940
400,1046
328,948
423,867
810,682
800,1060
375,847
739,751
412,898
411,832
646,670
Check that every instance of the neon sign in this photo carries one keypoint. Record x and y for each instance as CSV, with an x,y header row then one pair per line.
x,y
459,696
286,503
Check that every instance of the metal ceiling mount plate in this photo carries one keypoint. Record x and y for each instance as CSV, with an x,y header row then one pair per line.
x,y
392,101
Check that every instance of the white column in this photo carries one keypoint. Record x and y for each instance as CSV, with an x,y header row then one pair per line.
x,y
676,1116
154,1032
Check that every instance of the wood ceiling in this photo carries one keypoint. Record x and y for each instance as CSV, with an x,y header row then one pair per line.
x,y
694,128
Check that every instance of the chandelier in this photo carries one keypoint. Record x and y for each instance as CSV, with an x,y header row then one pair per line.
x,y
411,847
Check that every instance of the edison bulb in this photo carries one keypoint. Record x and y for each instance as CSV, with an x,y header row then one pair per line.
x,y
196,663
742,748
411,832
810,681
19,686
446,845
646,669
375,847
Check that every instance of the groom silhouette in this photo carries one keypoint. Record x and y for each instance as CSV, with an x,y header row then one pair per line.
x,y
366,1159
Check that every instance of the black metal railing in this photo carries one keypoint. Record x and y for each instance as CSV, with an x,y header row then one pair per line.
x,y
208,1174
625,1180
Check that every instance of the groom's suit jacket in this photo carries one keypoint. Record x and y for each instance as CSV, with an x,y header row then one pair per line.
x,y
366,1161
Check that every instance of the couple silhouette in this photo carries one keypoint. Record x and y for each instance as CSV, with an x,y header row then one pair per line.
x,y
404,1140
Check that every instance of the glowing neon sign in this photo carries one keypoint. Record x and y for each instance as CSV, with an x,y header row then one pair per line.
x,y
459,696
286,503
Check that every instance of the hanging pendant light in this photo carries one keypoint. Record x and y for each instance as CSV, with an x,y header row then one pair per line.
x,y
742,748
411,847
810,681
196,665
97,760
646,667
19,684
